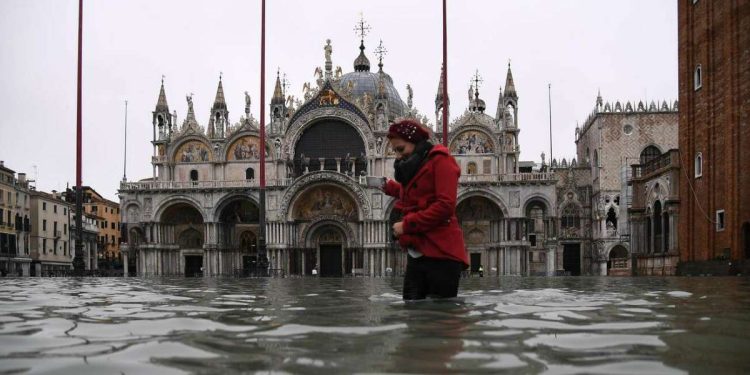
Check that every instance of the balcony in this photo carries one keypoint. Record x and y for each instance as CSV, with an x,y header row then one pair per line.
x,y
657,165
508,178
201,185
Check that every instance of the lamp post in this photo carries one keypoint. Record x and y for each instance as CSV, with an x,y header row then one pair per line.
x,y
78,264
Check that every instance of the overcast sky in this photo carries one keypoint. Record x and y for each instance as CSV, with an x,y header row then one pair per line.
x,y
628,49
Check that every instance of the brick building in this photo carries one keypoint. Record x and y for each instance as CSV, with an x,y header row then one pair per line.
x,y
714,140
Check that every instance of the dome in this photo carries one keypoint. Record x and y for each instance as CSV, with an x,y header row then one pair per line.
x,y
367,82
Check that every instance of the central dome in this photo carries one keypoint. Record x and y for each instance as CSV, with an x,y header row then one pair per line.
x,y
367,82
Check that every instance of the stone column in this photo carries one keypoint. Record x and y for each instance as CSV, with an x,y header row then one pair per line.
x,y
338,164
551,260
322,163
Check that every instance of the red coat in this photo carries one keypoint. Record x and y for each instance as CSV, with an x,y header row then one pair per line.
x,y
428,203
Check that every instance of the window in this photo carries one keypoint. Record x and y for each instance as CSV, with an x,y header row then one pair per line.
x,y
249,174
719,220
471,168
532,240
94,209
698,165
698,78
65,228
649,153
54,208
112,225
54,230
193,175
44,206
65,211
65,247
1,217
44,246
44,224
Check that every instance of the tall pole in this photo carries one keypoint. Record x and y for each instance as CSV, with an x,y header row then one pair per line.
x,y
263,261
549,99
78,265
125,148
445,75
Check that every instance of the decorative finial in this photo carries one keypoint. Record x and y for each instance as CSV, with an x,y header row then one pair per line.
x,y
220,74
284,83
362,28
477,79
162,79
381,51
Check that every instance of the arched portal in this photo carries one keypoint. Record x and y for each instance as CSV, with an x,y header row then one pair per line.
x,y
329,139
618,261
330,243
481,223
238,235
184,225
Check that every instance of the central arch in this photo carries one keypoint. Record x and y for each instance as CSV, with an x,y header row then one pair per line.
x,y
327,140
481,222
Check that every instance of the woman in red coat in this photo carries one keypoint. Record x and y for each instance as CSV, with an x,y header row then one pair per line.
x,y
426,184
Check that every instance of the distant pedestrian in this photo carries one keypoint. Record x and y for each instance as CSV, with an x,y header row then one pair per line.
x,y
481,271
426,185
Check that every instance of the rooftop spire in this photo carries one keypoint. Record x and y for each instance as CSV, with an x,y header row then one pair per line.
x,y
510,88
441,85
361,63
219,102
278,94
161,103
380,51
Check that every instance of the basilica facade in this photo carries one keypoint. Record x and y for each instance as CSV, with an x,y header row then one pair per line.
x,y
199,212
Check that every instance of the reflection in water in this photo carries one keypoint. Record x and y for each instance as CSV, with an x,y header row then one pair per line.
x,y
514,325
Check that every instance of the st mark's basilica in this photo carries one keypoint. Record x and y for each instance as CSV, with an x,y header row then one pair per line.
x,y
199,213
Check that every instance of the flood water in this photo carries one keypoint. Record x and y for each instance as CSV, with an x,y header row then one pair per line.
x,y
560,325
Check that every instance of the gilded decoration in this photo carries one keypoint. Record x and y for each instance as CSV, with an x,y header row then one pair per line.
x,y
471,142
193,152
245,148
325,200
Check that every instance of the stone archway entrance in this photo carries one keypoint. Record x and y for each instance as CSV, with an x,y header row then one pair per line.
x,y
238,237
618,264
330,242
184,226
481,221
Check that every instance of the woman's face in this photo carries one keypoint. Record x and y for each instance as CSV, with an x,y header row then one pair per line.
x,y
401,147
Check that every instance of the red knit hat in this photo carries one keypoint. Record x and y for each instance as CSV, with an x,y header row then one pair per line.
x,y
408,130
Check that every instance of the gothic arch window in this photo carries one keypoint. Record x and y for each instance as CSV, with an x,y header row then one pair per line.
x,y
698,165
588,155
698,77
596,158
649,153
571,217
160,120
249,174
611,218
194,175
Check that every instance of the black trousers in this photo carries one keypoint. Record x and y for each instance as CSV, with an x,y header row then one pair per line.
x,y
431,277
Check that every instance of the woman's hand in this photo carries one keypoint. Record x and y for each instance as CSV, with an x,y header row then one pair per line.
x,y
398,228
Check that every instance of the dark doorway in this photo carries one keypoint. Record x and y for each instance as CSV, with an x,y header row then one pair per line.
x,y
330,261
310,260
476,261
572,259
193,266
746,239
348,260
249,265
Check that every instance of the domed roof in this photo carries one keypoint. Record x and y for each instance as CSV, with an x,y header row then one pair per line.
x,y
367,82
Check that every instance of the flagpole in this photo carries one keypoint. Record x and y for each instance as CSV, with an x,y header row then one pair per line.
x,y
263,261
445,75
78,265
549,99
